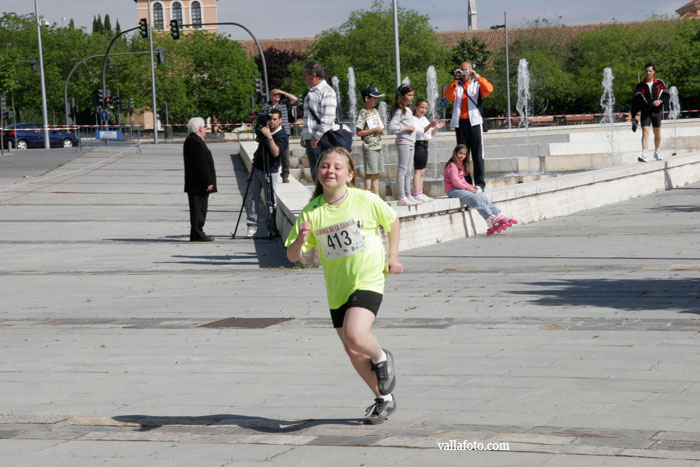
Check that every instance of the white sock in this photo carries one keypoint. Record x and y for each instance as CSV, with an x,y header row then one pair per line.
x,y
656,151
645,153
381,359
387,398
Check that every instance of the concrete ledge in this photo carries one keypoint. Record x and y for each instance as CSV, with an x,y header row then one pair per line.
x,y
445,219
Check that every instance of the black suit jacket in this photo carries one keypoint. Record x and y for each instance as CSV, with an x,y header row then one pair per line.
x,y
199,166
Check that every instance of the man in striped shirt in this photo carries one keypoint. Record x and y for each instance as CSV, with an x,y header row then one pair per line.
x,y
283,105
319,112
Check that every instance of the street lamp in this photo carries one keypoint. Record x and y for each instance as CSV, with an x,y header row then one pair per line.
x,y
396,47
505,28
47,143
153,73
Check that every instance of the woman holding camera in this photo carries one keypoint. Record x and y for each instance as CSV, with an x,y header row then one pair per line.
x,y
467,91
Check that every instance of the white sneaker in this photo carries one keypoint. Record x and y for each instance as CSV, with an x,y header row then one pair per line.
x,y
404,201
252,231
643,158
413,199
657,156
423,198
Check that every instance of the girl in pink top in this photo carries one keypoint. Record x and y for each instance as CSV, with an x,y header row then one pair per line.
x,y
456,186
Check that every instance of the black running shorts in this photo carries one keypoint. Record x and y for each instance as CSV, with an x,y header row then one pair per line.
x,y
358,299
651,118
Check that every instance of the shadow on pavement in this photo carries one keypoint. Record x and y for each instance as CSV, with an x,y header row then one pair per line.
x,y
678,208
260,424
265,256
628,294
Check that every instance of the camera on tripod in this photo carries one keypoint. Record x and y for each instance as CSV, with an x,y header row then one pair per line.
x,y
261,122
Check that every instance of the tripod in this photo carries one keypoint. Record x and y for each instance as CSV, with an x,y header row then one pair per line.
x,y
268,190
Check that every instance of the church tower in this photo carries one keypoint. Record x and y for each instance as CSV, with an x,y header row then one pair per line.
x,y
471,12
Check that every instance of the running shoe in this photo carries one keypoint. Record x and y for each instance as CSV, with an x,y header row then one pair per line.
x,y
379,411
643,158
386,374
252,230
423,198
404,201
657,156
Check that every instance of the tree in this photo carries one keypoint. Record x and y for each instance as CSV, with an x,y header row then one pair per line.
x,y
366,42
473,50
107,24
277,62
71,25
672,45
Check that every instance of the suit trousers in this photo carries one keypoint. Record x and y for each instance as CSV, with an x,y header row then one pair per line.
x,y
199,203
470,136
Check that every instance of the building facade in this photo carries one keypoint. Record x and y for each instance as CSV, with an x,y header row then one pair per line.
x,y
194,12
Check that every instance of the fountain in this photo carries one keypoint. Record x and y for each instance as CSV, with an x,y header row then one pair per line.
x,y
336,87
607,102
352,95
674,113
431,91
522,105
383,113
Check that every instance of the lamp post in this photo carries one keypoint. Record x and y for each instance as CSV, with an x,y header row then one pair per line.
x,y
47,143
505,28
396,46
153,75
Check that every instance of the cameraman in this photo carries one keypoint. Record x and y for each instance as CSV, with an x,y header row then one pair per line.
x,y
272,142
283,101
467,91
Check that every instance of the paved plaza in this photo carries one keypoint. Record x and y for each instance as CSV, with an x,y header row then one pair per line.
x,y
574,341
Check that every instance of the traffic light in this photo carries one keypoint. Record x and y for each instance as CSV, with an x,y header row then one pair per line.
x,y
110,65
3,102
143,27
131,104
33,64
108,98
175,29
259,87
160,55
100,98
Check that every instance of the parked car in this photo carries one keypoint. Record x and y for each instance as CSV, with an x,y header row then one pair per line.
x,y
31,135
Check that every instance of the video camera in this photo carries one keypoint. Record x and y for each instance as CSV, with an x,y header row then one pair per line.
x,y
262,120
460,73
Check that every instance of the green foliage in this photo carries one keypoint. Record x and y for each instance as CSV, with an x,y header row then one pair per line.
x,y
366,42
672,45
277,63
211,76
205,74
472,50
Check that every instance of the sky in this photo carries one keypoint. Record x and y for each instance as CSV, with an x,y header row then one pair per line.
x,y
275,19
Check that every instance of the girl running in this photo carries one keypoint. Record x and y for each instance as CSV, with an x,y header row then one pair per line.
x,y
425,130
342,221
403,125
456,186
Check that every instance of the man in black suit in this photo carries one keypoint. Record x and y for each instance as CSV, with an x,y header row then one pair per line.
x,y
200,177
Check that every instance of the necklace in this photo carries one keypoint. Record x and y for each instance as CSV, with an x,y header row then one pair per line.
x,y
338,200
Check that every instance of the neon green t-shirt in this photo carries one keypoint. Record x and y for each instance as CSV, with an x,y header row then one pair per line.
x,y
351,250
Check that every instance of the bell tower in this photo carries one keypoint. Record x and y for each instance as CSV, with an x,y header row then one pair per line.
x,y
471,13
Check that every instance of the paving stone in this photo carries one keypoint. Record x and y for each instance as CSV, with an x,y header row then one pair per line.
x,y
112,339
